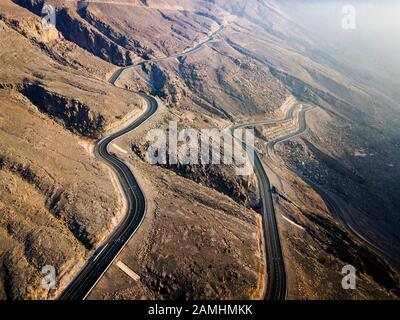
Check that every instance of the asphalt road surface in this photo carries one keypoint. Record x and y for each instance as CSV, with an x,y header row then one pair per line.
x,y
94,269
276,287
337,206
276,281
196,48
276,284
97,265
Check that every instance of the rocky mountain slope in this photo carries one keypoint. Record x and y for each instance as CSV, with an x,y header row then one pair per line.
x,y
59,202
260,57
46,96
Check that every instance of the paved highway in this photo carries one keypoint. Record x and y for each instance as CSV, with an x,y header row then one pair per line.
x,y
95,268
288,117
276,284
196,48
337,206
276,281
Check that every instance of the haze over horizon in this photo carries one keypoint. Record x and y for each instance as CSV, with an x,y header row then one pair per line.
x,y
117,180
375,43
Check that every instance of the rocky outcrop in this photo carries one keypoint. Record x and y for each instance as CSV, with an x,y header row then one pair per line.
x,y
32,29
338,243
242,189
123,41
56,200
77,30
73,114
163,85
220,178
80,32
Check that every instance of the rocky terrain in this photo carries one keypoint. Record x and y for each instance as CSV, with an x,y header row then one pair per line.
x,y
352,168
57,207
46,97
201,237
123,36
307,224
195,243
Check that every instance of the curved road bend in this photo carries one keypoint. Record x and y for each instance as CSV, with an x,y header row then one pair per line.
x,y
288,117
276,286
275,263
94,269
276,283
335,204
301,130
196,48
97,265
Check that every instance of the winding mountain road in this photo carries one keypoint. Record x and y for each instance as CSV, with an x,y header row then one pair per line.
x,y
341,210
98,264
94,269
190,51
276,288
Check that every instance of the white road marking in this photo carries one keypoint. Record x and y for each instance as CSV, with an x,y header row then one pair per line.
x,y
119,148
128,271
293,223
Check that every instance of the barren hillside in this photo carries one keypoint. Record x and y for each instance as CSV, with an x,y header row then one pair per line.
x,y
230,61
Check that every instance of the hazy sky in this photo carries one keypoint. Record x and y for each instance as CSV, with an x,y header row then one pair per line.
x,y
374,44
